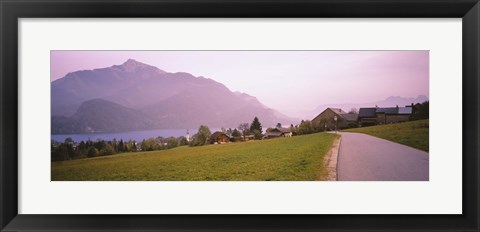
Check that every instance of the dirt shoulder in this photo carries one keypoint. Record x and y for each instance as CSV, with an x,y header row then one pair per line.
x,y
331,160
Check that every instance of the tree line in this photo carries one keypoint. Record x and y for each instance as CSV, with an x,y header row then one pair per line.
x,y
69,150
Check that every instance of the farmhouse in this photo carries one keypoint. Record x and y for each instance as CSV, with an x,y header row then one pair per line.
x,y
242,138
326,119
219,138
384,115
367,116
278,132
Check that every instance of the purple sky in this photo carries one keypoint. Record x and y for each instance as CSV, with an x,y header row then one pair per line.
x,y
293,82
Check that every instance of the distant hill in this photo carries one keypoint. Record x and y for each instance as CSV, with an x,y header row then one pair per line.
x,y
388,102
100,115
154,98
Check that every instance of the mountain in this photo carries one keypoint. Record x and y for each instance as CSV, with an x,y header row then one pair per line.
x,y
388,102
98,115
213,105
132,84
140,92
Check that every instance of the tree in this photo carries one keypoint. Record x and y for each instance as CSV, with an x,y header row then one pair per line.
x,y
293,129
158,143
82,150
182,141
70,150
236,133
132,146
244,128
257,134
319,125
62,153
150,145
305,127
202,136
144,145
100,145
256,125
92,152
114,144
121,146
172,142
108,150
279,125
353,111
82,145
420,111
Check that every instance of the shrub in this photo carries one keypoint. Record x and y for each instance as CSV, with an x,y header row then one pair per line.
x,y
108,150
92,152
201,138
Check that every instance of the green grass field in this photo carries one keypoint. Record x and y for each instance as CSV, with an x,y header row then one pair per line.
x,y
295,158
413,134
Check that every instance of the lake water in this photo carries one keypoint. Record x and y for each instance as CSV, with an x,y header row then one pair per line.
x,y
131,135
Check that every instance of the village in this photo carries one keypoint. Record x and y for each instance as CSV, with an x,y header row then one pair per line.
x,y
331,119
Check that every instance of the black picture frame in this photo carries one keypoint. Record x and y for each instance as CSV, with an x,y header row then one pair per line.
x,y
12,10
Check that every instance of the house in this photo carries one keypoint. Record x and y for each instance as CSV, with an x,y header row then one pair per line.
x,y
393,115
367,116
384,115
326,119
242,138
219,138
278,132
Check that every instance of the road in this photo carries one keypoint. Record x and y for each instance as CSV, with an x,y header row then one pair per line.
x,y
366,158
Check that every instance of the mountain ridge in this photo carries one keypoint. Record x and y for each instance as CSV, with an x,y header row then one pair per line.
x,y
99,115
163,99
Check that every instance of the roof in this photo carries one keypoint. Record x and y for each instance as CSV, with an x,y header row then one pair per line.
x,y
405,110
350,117
387,110
337,111
371,112
273,133
215,135
367,112
281,129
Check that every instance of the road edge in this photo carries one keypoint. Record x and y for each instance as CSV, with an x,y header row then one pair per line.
x,y
331,159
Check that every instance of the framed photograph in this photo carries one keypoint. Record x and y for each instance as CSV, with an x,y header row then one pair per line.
x,y
226,115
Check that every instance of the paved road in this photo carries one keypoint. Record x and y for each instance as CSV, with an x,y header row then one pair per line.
x,y
364,157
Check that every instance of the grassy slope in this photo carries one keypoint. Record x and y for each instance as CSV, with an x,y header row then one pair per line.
x,y
413,134
295,158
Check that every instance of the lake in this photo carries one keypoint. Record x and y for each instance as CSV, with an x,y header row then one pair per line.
x,y
131,135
